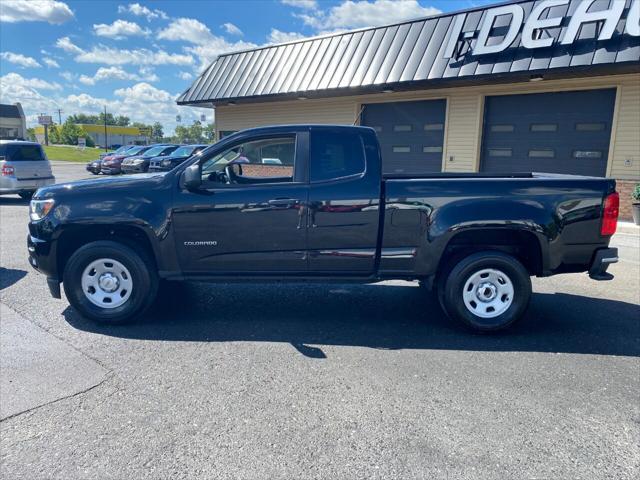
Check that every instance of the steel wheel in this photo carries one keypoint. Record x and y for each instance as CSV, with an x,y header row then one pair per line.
x,y
107,283
488,293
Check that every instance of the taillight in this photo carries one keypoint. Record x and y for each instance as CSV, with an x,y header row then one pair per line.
x,y
7,171
610,214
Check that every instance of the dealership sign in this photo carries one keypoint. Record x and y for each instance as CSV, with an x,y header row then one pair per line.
x,y
534,30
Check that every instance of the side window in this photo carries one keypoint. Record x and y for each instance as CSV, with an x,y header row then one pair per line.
x,y
335,155
265,160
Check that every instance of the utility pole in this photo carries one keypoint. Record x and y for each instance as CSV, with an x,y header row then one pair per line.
x,y
106,149
59,116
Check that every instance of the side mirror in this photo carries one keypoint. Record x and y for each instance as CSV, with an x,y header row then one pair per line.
x,y
191,177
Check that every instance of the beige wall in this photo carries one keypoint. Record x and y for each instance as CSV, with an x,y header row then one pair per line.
x,y
464,116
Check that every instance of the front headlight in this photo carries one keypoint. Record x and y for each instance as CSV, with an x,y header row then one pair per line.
x,y
166,163
137,161
38,209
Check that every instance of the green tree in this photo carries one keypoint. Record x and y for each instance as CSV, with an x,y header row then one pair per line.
x,y
122,121
31,134
157,131
210,133
54,134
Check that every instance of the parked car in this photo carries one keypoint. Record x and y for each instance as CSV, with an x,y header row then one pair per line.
x,y
94,166
181,154
475,238
140,163
119,151
24,168
112,165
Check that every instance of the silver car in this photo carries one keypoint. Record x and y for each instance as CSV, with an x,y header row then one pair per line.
x,y
24,168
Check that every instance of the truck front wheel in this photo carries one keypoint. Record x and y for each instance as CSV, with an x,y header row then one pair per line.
x,y
109,282
487,291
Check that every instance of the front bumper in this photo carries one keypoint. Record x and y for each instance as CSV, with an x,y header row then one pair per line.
x,y
601,261
134,168
93,168
113,170
42,257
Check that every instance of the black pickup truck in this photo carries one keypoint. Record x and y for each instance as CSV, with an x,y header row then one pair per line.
x,y
310,203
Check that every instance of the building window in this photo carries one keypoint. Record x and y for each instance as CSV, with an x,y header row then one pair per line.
x,y
500,152
544,127
587,154
502,128
433,127
402,128
401,149
542,153
590,127
432,149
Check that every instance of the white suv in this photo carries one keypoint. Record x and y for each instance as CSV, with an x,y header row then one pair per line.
x,y
24,168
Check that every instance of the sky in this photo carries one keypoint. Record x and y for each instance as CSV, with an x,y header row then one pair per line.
x,y
136,58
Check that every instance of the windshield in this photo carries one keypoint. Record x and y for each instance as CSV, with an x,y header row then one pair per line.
x,y
17,152
155,151
135,150
184,151
123,149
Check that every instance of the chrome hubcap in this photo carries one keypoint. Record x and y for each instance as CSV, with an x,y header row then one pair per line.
x,y
107,283
488,293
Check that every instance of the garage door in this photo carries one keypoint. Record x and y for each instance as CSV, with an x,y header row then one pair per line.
x,y
411,134
562,132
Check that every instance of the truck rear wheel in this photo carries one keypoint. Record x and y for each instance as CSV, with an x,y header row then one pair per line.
x,y
487,291
109,282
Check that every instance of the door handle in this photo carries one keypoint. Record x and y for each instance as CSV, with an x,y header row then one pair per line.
x,y
283,202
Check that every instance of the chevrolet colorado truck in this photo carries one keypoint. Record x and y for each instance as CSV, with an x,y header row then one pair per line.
x,y
310,203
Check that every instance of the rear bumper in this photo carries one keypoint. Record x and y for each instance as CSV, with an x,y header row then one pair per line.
x,y
17,185
601,261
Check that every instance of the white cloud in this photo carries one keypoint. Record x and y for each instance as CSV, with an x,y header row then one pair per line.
x,y
206,46
14,79
119,30
50,62
363,13
68,76
276,36
187,30
143,92
19,59
231,29
113,56
50,11
142,11
185,75
118,73
304,4
67,45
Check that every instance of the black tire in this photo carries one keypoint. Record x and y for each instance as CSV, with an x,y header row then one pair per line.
x,y
26,195
143,276
452,285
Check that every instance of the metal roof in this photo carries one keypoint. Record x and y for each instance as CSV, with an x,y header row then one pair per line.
x,y
408,55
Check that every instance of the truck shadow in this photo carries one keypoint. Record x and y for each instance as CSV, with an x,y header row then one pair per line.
x,y
374,316
9,276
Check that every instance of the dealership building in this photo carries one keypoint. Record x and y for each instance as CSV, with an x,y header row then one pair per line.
x,y
546,86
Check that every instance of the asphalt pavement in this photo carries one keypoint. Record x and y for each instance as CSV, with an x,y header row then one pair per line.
x,y
317,381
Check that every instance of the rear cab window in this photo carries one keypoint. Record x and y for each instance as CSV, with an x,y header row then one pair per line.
x,y
335,154
25,153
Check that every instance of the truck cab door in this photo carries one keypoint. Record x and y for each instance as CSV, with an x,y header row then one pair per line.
x,y
344,200
248,216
